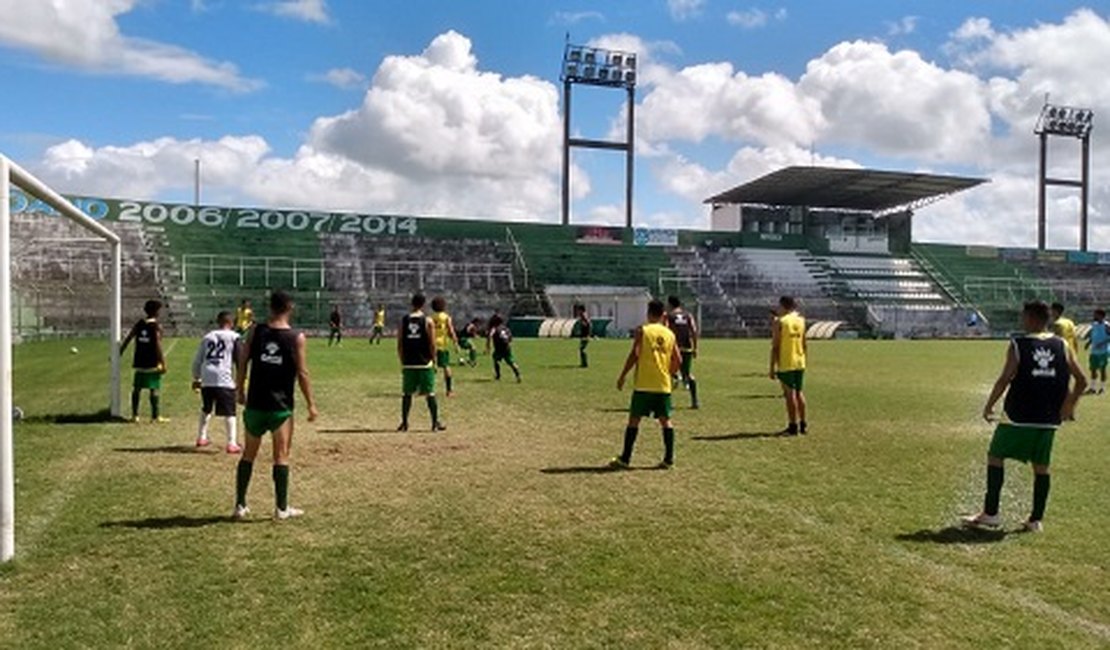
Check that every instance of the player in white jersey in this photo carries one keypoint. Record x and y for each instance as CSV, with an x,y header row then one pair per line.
x,y
214,377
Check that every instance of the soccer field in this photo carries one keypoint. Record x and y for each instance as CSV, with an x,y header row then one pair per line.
x,y
502,531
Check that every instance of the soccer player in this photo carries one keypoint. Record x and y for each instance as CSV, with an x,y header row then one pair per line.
x,y
656,358
788,362
1098,340
214,376
149,362
1064,327
585,331
445,335
416,347
276,358
501,338
685,330
466,342
335,326
378,332
1035,380
244,317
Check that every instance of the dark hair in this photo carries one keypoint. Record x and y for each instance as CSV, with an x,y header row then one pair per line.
x,y
281,302
246,301
656,309
788,302
1037,310
1100,314
1058,307
439,303
495,321
418,301
674,302
152,307
223,318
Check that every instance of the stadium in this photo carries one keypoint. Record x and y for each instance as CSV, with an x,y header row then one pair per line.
x,y
508,523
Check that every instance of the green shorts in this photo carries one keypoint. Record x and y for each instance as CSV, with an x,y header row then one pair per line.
x,y
687,362
418,381
792,379
379,329
465,344
506,357
1027,444
259,423
1098,361
654,405
149,379
443,359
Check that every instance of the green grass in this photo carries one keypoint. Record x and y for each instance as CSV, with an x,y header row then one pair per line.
x,y
839,539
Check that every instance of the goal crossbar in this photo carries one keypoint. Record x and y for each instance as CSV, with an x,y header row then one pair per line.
x,y
12,174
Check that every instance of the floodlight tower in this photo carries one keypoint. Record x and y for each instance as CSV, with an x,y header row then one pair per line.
x,y
594,66
1069,122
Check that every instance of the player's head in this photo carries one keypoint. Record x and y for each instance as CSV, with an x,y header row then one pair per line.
x,y
787,304
281,303
1035,316
224,320
439,303
1100,314
673,302
655,310
152,307
246,302
1057,309
495,321
381,307
418,301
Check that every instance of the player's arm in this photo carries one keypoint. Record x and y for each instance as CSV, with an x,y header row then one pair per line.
x,y
676,360
452,332
693,336
1009,371
198,361
241,369
303,379
158,347
127,339
633,357
431,337
401,343
1079,385
776,343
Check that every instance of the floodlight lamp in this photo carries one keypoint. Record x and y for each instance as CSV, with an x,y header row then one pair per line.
x,y
616,60
588,72
572,70
630,61
603,74
575,55
591,57
630,77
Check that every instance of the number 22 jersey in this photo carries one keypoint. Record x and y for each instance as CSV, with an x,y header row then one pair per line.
x,y
214,363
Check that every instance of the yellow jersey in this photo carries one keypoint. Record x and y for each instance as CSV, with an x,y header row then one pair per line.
x,y
244,316
792,336
1065,329
442,322
379,318
653,368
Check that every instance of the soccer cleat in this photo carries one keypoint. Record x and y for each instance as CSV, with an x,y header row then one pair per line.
x,y
1031,526
240,513
234,448
665,465
404,426
617,463
159,420
289,513
983,520
439,426
134,419
802,428
203,442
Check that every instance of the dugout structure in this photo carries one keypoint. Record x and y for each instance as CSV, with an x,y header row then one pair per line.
x,y
12,174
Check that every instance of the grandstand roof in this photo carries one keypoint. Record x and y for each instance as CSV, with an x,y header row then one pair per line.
x,y
849,189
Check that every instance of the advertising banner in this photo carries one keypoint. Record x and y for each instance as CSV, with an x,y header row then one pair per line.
x,y
1017,254
982,251
1082,257
599,235
655,237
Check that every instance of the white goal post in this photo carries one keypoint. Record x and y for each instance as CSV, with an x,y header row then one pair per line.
x,y
13,174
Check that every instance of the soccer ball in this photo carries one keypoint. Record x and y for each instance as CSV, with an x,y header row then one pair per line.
x,y
73,350
17,414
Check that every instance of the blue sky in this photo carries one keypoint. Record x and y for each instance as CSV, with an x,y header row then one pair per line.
x,y
130,88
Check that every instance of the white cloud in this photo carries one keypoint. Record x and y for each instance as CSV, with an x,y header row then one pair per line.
x,y
903,26
344,78
310,11
85,34
575,17
753,18
685,9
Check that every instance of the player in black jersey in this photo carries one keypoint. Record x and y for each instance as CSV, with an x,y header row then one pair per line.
x,y
1039,367
585,330
501,339
149,362
335,327
276,358
416,347
685,330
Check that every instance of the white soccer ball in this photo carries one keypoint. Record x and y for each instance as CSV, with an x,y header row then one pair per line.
x,y
73,350
17,413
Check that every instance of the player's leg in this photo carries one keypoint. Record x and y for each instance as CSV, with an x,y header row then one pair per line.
x,y
631,431
428,389
791,410
688,377
408,387
225,408
511,360
496,367
800,408
156,404
995,478
583,358
136,394
1042,482
339,336
283,444
668,438
245,467
206,404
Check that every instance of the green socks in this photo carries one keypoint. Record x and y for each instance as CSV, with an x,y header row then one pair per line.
x,y
281,486
433,408
155,402
630,434
668,445
1041,485
995,476
242,481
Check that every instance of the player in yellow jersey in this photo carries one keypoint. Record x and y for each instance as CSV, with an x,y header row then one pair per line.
x,y
378,332
244,317
445,334
788,362
1064,327
656,358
